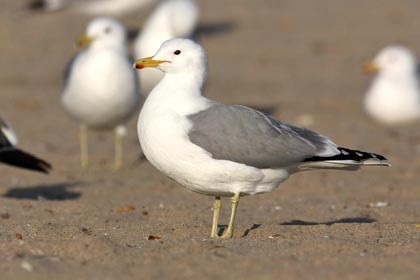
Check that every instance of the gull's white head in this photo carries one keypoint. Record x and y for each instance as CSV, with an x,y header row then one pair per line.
x,y
176,56
393,61
104,32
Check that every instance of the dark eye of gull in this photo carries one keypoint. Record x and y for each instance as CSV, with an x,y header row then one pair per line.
x,y
177,52
108,30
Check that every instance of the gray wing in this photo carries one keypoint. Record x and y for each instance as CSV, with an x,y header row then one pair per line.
x,y
244,135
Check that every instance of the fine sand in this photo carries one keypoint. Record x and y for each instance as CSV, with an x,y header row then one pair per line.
x,y
301,60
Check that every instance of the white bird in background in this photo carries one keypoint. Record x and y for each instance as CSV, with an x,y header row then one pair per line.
x,y
101,86
11,155
170,19
225,150
92,7
393,98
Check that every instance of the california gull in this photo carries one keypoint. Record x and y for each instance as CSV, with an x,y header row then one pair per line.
x,y
101,87
393,97
225,150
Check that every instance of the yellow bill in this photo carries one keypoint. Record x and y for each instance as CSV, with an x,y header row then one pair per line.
x,y
147,62
84,40
371,68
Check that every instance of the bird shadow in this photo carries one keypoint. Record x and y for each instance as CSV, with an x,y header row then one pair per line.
x,y
56,191
222,228
355,220
254,226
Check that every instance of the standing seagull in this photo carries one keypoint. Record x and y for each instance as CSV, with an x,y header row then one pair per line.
x,y
101,87
170,19
394,95
224,150
11,155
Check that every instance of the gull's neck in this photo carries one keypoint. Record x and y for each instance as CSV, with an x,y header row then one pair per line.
x,y
189,81
180,92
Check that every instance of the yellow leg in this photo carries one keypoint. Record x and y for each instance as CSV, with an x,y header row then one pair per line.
x,y
120,132
235,202
84,146
216,212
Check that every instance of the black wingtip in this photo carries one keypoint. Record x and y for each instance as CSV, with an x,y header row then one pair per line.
x,y
360,155
25,160
353,155
43,166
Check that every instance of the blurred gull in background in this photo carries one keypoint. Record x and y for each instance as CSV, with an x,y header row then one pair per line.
x,y
394,96
11,155
170,19
225,150
101,86
91,7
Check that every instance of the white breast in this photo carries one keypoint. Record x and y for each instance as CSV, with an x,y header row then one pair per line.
x,y
163,134
393,102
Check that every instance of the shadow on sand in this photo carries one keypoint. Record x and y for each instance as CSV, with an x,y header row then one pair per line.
x,y
254,226
56,191
356,220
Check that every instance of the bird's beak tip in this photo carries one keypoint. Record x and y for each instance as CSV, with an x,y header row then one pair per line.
x,y
138,66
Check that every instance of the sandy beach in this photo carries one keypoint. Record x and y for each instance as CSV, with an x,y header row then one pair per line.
x,y
300,60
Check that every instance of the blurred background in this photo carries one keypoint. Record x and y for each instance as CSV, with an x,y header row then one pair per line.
x,y
299,60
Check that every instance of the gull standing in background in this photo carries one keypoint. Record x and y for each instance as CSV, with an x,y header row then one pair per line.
x,y
225,150
393,98
11,155
91,7
170,19
101,86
